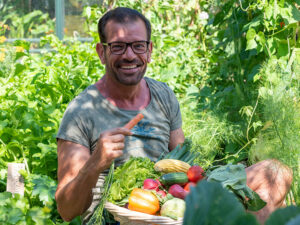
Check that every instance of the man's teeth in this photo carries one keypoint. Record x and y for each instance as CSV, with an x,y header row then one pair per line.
x,y
129,67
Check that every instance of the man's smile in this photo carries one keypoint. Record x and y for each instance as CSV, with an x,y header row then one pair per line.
x,y
129,67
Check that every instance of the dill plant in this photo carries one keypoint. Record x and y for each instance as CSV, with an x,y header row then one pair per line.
x,y
207,133
279,138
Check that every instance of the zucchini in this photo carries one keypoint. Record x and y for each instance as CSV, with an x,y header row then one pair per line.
x,y
174,178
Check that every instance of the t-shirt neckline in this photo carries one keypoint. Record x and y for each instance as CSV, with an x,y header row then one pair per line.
x,y
107,102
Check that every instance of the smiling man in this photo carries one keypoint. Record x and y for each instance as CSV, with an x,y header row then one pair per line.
x,y
91,133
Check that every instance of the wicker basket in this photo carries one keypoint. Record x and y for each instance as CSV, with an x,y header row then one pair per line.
x,y
129,217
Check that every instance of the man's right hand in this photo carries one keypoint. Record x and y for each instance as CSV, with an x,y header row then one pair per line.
x,y
110,146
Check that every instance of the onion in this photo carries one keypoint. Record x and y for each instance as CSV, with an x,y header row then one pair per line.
x,y
177,191
150,184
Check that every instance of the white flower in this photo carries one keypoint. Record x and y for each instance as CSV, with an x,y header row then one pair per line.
x,y
203,15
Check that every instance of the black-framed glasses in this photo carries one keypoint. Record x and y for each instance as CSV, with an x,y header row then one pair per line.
x,y
119,48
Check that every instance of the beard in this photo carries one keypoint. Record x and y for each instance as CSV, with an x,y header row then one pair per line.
x,y
126,77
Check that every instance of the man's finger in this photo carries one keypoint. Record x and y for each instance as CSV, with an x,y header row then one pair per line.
x,y
117,138
121,130
118,153
118,146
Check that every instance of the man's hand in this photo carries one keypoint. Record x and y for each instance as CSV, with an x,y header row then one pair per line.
x,y
271,180
110,146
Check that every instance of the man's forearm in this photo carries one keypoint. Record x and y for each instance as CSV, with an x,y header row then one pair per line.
x,y
75,197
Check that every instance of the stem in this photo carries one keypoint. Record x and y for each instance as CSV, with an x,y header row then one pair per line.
x,y
25,162
245,10
248,127
237,50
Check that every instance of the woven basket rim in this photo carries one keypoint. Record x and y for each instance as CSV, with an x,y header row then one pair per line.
x,y
139,216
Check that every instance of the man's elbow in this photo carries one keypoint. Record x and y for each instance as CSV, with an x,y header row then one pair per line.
x,y
64,212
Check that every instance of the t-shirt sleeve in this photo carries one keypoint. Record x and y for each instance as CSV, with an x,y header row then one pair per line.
x,y
175,114
72,128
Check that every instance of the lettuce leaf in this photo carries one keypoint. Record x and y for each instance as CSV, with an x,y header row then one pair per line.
x,y
128,176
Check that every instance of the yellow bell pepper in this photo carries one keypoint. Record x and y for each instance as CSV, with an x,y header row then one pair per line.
x,y
143,201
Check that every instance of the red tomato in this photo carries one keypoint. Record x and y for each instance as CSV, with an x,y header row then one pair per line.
x,y
195,174
188,185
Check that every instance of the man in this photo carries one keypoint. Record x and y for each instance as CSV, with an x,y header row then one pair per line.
x,y
91,135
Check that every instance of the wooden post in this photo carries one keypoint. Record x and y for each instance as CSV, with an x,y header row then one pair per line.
x,y
15,181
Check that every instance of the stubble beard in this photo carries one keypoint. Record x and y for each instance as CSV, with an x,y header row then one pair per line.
x,y
126,79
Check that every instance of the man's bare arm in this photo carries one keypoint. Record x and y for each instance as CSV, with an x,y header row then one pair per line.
x,y
78,171
72,159
176,137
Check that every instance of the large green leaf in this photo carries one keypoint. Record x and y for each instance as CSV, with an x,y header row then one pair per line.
x,y
234,178
210,204
282,216
294,221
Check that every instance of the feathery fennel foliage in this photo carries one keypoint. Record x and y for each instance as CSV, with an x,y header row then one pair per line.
x,y
279,108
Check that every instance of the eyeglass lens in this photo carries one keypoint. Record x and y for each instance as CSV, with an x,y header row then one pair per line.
x,y
138,47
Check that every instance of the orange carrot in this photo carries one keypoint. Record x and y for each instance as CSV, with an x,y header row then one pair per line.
x,y
134,121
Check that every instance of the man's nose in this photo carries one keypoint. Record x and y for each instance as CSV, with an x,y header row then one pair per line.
x,y
129,53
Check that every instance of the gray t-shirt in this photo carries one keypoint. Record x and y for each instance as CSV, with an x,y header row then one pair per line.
x,y
89,114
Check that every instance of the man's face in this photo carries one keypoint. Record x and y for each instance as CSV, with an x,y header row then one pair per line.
x,y
128,68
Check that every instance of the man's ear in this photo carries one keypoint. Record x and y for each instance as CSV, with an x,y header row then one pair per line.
x,y
149,52
101,52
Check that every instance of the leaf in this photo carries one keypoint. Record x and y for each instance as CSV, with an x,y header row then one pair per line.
x,y
251,44
253,73
282,48
210,204
271,44
251,33
253,24
294,221
205,91
269,11
256,125
234,178
15,215
296,12
44,188
247,219
283,215
38,216
260,37
19,68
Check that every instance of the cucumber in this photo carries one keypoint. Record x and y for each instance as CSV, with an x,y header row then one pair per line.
x,y
173,178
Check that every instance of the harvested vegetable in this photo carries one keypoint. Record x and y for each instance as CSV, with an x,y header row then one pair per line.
x,y
195,173
173,208
143,201
150,184
189,185
161,193
134,121
171,166
174,178
177,191
181,153
128,176
98,214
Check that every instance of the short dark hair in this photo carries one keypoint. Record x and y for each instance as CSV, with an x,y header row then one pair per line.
x,y
122,15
